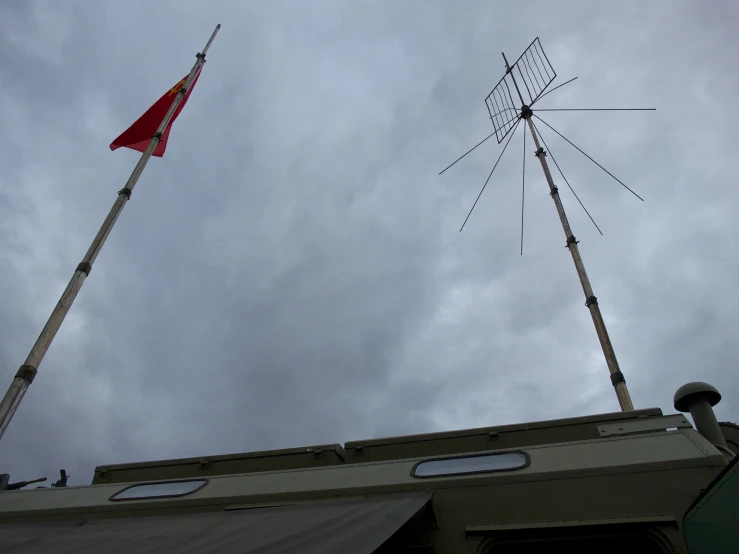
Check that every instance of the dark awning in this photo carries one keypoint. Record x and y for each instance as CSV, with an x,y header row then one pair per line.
x,y
359,526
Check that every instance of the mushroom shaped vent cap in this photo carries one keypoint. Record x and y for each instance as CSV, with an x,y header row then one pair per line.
x,y
687,394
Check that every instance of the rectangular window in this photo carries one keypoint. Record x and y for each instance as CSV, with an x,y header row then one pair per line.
x,y
463,465
159,490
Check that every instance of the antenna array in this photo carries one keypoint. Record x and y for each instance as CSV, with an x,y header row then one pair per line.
x,y
527,81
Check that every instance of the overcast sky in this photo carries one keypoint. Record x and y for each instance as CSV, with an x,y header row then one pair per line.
x,y
292,273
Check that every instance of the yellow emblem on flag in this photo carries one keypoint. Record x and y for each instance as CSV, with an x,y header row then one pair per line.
x,y
175,89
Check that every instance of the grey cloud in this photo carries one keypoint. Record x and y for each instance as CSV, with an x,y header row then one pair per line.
x,y
291,272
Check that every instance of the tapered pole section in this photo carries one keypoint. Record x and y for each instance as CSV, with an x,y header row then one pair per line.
x,y
25,375
617,378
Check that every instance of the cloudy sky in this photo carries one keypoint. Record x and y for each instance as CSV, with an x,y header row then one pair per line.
x,y
292,272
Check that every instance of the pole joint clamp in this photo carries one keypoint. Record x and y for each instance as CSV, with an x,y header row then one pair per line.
x,y
84,267
617,378
157,135
590,301
555,190
540,152
125,191
571,240
27,373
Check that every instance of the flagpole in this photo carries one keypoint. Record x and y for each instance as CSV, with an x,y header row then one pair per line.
x,y
25,375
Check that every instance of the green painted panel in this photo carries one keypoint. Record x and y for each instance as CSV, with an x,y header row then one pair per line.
x,y
711,525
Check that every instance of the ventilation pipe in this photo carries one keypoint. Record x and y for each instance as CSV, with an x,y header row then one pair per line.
x,y
698,399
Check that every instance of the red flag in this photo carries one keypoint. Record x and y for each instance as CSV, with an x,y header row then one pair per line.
x,y
137,136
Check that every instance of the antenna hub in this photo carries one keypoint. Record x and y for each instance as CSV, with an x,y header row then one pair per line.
x,y
526,112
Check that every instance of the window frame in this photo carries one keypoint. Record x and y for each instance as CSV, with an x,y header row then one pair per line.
x,y
527,463
114,499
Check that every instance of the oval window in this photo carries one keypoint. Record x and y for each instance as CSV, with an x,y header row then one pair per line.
x,y
159,490
463,465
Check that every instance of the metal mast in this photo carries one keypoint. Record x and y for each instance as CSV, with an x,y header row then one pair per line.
x,y
25,375
534,75
617,377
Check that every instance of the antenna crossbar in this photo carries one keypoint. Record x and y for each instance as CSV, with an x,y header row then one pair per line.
x,y
488,179
549,151
588,157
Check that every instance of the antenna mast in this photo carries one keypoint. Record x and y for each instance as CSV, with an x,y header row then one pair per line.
x,y
535,74
617,377
534,60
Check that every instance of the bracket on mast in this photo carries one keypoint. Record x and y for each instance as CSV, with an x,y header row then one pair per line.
x,y
27,373
617,378
85,267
